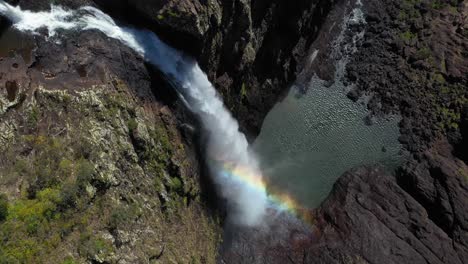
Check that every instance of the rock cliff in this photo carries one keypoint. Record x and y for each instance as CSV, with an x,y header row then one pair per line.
x,y
94,166
99,162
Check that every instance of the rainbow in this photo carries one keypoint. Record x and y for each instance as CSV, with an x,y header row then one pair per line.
x,y
281,201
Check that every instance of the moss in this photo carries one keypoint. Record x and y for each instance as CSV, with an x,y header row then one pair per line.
x,y
453,10
443,66
195,260
444,90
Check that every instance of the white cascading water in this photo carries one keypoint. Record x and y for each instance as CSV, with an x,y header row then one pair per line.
x,y
226,145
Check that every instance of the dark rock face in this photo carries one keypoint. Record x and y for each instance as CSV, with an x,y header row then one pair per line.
x,y
369,218
463,145
439,183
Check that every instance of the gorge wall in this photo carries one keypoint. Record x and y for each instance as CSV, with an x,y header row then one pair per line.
x,y
99,161
99,158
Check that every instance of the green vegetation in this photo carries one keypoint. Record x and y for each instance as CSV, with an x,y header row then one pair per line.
x,y
408,36
33,116
437,4
167,14
175,184
446,98
438,78
243,91
424,53
82,175
172,13
27,220
132,125
91,245
69,260
123,215
51,163
449,118
408,12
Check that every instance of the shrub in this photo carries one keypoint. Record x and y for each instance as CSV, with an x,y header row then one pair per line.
x,y
175,184
407,36
68,197
84,171
132,125
424,53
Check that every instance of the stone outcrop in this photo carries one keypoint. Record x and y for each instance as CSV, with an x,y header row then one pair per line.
x,y
370,218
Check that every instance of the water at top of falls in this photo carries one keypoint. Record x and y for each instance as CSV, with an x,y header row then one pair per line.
x,y
226,145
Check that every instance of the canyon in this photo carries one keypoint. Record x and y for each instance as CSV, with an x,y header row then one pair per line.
x,y
102,162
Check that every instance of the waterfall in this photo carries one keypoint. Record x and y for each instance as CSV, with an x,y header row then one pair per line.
x,y
234,168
